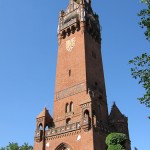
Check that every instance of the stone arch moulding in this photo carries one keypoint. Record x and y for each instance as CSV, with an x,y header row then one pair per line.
x,y
63,146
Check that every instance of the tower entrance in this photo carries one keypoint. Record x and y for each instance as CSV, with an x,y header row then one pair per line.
x,y
63,146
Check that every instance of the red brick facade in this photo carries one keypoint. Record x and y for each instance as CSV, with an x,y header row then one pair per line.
x,y
80,120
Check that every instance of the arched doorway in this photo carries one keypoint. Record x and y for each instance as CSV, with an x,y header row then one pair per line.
x,y
63,146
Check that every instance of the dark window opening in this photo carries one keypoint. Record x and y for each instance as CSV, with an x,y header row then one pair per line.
x,y
86,113
71,107
67,108
68,120
69,73
96,83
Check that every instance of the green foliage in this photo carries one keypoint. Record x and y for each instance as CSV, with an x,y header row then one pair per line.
x,y
15,146
2,148
141,71
145,18
26,147
116,141
115,147
141,64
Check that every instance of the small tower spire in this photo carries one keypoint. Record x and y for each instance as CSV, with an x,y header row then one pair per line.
x,y
43,120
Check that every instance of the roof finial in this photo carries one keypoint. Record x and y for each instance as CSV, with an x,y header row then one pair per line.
x,y
114,103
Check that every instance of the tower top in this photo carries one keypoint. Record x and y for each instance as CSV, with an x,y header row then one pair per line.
x,y
81,1
79,15
115,113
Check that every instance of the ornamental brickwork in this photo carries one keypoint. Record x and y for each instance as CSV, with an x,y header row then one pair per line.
x,y
80,120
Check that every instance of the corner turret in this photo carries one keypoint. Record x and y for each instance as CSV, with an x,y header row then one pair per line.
x,y
119,123
43,122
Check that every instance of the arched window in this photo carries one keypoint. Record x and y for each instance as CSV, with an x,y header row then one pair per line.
x,y
63,146
71,107
67,108
46,127
86,117
68,120
86,113
40,127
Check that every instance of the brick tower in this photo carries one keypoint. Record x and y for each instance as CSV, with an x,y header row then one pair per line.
x,y
80,120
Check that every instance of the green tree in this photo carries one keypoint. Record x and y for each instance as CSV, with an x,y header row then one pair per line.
x,y
15,146
145,18
141,64
11,146
25,146
116,141
141,71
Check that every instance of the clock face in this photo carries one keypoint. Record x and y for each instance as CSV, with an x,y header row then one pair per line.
x,y
70,44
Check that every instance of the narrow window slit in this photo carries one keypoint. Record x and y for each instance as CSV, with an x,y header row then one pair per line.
x,y
69,73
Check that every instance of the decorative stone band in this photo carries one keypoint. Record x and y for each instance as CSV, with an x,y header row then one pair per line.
x,y
70,91
63,135
63,129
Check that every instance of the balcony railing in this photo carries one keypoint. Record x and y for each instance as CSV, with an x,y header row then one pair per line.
x,y
63,129
72,21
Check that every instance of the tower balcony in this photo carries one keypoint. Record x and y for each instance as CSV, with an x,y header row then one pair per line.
x,y
69,24
63,129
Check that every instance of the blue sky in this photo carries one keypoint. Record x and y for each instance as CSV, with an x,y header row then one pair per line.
x,y
28,51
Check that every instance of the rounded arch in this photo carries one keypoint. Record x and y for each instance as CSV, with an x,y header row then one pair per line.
x,y
40,126
46,127
68,120
63,146
86,118
86,113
